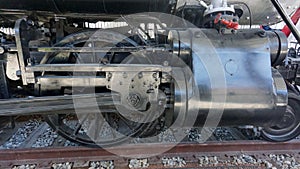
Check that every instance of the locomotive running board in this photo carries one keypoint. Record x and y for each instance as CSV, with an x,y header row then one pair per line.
x,y
86,103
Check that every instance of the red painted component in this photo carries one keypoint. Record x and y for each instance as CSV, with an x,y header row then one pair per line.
x,y
295,18
217,19
228,23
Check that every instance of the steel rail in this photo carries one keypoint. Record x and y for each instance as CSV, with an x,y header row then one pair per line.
x,y
82,155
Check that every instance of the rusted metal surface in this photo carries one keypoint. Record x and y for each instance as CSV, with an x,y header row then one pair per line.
x,y
81,156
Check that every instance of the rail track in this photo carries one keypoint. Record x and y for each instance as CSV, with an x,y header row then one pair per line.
x,y
181,156
33,144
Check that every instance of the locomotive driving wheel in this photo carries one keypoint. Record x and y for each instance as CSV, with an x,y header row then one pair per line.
x,y
93,129
288,126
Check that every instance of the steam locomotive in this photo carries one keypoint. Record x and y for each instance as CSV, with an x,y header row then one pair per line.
x,y
141,67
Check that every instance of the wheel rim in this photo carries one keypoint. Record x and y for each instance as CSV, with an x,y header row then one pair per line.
x,y
105,134
71,126
289,125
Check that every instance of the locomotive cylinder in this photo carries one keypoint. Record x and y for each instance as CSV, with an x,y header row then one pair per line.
x,y
233,76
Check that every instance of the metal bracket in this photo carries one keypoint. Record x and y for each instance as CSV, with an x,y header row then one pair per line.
x,y
24,33
22,47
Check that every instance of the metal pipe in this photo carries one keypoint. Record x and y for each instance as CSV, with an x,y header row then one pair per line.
x,y
286,19
216,3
